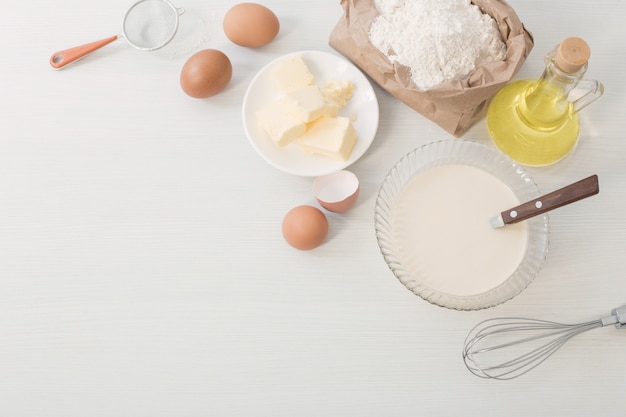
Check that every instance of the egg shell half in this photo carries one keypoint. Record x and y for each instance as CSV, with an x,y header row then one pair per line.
x,y
250,25
337,192
305,227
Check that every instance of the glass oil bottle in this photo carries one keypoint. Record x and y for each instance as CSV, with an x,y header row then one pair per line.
x,y
535,122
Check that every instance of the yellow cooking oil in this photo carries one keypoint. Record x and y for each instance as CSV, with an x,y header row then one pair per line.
x,y
532,122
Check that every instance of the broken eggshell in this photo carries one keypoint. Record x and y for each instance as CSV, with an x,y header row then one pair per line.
x,y
337,192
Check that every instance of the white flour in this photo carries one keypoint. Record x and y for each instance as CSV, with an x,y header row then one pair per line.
x,y
438,40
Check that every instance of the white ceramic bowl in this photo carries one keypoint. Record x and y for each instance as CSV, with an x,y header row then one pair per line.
x,y
459,152
362,108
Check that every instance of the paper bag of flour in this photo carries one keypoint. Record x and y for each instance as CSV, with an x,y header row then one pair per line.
x,y
454,105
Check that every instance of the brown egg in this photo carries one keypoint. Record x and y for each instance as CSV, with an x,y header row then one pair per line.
x,y
305,227
251,25
206,73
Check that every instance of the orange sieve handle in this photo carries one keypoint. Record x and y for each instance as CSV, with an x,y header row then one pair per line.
x,y
62,58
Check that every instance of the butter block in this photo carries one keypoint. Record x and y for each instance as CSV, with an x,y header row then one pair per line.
x,y
310,104
279,121
333,137
291,74
338,92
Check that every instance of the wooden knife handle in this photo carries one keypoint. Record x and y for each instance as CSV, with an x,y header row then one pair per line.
x,y
566,195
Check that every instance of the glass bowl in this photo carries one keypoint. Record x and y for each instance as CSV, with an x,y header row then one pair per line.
x,y
402,262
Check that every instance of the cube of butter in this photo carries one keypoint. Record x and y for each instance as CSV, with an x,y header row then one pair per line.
x,y
280,123
291,74
333,137
310,104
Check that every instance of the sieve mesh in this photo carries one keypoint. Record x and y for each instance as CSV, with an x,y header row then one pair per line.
x,y
150,24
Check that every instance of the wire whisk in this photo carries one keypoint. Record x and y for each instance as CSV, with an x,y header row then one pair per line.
x,y
508,347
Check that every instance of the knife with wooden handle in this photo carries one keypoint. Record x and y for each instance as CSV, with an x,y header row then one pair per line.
x,y
563,196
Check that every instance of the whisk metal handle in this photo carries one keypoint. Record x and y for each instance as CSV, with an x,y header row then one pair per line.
x,y
618,317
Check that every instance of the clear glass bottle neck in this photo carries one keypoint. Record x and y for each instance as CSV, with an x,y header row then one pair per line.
x,y
559,78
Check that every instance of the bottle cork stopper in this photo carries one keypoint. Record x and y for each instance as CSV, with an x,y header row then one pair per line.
x,y
572,54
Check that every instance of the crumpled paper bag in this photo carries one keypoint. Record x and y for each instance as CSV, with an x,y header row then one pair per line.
x,y
454,105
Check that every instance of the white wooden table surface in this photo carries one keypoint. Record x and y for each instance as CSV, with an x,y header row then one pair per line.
x,y
143,271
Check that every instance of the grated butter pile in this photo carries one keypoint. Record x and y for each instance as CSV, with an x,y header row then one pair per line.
x,y
438,40
308,114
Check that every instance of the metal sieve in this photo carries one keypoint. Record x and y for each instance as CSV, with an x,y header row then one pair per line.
x,y
148,25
